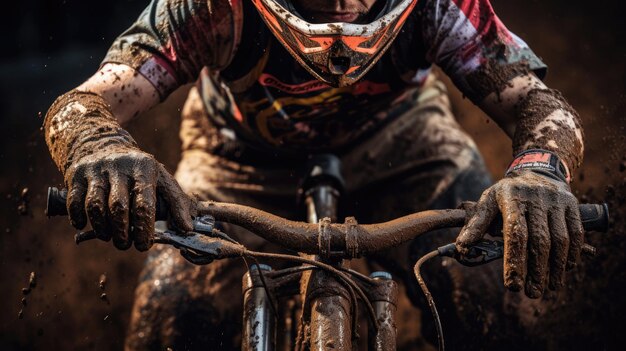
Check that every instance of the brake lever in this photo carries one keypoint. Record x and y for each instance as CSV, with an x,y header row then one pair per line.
x,y
204,225
478,254
200,246
486,251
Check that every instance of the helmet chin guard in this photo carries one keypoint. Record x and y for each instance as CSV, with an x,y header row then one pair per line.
x,y
338,54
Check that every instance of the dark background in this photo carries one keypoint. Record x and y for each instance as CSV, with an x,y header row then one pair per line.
x,y
49,47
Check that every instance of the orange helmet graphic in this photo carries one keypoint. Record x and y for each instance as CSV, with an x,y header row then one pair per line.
x,y
339,53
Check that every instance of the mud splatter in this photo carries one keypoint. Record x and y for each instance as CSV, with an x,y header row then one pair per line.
x,y
24,202
32,284
548,122
494,77
102,282
105,298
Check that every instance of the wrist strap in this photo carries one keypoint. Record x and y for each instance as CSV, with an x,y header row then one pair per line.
x,y
540,161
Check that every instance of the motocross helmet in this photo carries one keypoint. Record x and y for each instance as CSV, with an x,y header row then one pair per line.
x,y
338,54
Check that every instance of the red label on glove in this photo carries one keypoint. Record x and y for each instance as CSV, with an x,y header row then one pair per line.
x,y
540,160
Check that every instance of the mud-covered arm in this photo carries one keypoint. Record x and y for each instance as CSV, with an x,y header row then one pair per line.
x,y
499,72
537,117
110,180
542,230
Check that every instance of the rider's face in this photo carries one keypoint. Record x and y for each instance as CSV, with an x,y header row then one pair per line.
x,y
324,11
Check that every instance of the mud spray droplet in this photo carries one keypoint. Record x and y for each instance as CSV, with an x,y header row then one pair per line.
x,y
22,207
103,281
104,298
32,283
32,280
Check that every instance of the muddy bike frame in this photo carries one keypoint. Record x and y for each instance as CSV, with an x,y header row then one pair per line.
x,y
318,310
315,305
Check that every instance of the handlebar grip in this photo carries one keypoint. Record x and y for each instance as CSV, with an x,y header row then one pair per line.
x,y
57,204
595,217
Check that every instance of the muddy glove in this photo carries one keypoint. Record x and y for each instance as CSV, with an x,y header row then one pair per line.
x,y
542,229
110,181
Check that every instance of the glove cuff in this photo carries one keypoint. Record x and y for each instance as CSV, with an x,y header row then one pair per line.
x,y
77,124
540,161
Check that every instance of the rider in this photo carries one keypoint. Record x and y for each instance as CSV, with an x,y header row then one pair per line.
x,y
278,80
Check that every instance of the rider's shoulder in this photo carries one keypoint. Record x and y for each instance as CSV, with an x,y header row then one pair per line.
x,y
219,21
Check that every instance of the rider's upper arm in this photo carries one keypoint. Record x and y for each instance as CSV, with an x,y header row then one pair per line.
x,y
128,92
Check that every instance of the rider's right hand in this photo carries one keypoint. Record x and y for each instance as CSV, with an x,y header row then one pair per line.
x,y
116,187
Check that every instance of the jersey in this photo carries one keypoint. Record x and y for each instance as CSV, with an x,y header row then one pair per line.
x,y
252,85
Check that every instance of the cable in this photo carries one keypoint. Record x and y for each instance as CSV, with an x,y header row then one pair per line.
x,y
347,283
292,270
345,280
429,297
265,287
353,299
331,269
225,236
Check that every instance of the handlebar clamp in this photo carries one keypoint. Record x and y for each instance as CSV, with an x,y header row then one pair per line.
x,y
352,243
324,237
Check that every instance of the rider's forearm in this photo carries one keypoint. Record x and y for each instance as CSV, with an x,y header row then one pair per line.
x,y
546,121
536,117
127,92
93,112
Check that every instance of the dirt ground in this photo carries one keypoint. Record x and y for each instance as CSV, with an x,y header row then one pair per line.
x,y
583,43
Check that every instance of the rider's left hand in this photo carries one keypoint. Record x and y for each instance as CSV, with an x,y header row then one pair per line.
x,y
542,230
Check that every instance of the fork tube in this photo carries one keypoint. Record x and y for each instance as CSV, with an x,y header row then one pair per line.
x,y
384,296
259,321
321,201
330,324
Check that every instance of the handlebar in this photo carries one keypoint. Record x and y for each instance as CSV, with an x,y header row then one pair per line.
x,y
348,239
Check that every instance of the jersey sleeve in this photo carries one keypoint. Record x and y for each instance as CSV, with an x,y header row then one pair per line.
x,y
466,36
173,40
